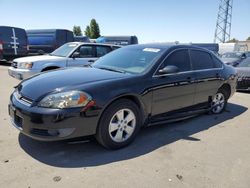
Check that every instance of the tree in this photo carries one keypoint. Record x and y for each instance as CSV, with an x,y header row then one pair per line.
x,y
248,38
234,40
77,30
88,32
93,30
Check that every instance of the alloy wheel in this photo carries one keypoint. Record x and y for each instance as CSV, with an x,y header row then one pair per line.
x,y
122,125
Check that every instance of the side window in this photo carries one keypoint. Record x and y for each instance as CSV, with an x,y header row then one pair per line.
x,y
179,59
201,60
86,51
102,50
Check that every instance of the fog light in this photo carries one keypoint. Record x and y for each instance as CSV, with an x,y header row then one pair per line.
x,y
65,132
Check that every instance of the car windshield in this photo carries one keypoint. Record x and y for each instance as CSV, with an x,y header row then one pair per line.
x,y
64,50
245,63
131,60
231,55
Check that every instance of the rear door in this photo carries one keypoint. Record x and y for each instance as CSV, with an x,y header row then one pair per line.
x,y
208,74
8,41
174,91
21,42
87,55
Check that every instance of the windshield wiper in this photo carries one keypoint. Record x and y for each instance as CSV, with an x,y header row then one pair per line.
x,y
111,69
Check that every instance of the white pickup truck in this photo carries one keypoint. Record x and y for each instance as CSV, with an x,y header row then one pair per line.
x,y
69,55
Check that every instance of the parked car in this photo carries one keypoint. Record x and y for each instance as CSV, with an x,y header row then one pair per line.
x,y
134,86
243,70
119,40
13,43
81,39
233,58
69,55
43,41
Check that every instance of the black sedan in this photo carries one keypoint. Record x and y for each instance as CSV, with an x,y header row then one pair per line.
x,y
135,86
243,70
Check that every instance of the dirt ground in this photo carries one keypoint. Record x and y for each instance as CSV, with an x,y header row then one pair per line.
x,y
206,151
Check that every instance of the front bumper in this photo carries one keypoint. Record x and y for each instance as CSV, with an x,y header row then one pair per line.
x,y
51,124
21,74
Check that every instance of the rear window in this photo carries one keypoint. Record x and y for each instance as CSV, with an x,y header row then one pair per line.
x,y
41,39
201,60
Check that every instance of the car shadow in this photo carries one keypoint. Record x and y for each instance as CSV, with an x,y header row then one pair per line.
x,y
5,63
67,155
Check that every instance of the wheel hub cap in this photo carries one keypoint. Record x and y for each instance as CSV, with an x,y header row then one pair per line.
x,y
122,125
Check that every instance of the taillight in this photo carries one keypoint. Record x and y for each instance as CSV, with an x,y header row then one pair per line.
x,y
1,46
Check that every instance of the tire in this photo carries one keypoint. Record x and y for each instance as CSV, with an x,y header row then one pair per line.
x,y
219,101
119,124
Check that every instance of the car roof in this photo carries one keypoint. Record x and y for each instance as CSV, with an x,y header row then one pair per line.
x,y
166,46
94,44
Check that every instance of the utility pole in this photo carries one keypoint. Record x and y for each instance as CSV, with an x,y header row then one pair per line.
x,y
224,19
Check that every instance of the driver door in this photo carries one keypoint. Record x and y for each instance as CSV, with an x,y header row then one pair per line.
x,y
85,56
174,91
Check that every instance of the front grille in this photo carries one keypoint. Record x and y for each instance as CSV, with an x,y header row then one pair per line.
x,y
14,64
18,121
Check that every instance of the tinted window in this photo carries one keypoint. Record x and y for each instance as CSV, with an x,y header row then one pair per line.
x,y
86,51
179,59
217,62
201,60
102,50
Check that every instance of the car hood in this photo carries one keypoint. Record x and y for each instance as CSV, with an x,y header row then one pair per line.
x,y
243,71
61,80
38,58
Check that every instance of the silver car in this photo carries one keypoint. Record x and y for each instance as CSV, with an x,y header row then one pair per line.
x,y
69,55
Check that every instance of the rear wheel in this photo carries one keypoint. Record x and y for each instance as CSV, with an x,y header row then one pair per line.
x,y
219,101
119,124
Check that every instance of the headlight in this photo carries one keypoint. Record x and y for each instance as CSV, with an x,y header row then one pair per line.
x,y
27,65
70,99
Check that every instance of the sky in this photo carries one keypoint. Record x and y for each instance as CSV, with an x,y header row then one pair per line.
x,y
149,20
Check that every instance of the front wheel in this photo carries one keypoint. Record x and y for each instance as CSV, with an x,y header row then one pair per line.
x,y
219,102
119,124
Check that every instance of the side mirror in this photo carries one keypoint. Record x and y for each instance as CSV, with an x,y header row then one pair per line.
x,y
75,55
170,69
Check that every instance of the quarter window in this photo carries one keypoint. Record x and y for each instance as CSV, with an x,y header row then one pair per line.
x,y
201,60
179,59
